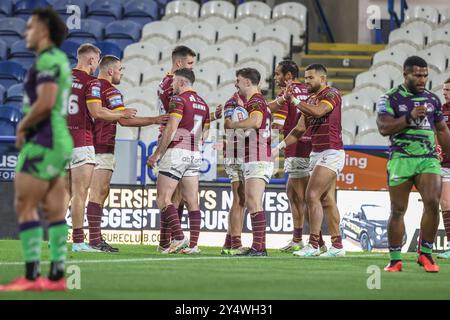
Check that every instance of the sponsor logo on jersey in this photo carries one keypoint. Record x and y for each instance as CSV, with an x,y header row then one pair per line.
x,y
403,108
95,91
116,100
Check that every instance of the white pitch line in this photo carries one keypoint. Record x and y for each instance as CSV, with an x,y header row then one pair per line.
x,y
19,263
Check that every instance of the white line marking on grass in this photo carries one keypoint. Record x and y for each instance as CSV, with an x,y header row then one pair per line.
x,y
17,263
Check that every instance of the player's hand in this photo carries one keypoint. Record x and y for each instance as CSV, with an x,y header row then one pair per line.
x,y
151,161
20,136
218,112
228,124
162,119
238,99
418,112
129,113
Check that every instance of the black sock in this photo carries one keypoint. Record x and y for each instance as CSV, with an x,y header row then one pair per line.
x,y
32,270
56,270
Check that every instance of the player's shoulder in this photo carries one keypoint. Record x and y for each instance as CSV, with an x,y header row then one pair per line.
x,y
432,96
331,92
176,98
392,92
50,58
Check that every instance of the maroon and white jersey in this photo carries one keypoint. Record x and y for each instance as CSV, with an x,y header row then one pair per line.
x,y
291,114
257,145
194,114
111,98
228,109
446,111
326,132
165,93
79,121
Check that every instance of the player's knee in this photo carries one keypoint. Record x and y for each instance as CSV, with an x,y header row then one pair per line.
x,y
312,196
431,203
20,205
398,212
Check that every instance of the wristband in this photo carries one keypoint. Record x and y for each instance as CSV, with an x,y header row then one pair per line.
x,y
295,101
281,145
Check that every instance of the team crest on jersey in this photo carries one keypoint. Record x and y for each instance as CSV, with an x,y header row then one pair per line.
x,y
177,99
95,92
116,100
403,108
430,107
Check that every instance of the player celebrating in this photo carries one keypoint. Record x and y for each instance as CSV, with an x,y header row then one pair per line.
x,y
80,123
322,113
411,116
233,168
445,195
257,161
102,94
179,150
182,58
45,147
296,162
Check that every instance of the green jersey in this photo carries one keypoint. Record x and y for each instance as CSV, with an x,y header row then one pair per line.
x,y
51,66
417,140
49,145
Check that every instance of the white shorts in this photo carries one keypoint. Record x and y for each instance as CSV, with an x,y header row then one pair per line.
x,y
177,163
81,156
331,159
445,174
105,161
258,169
234,172
296,167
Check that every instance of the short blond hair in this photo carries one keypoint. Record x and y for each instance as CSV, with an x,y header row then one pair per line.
x,y
87,48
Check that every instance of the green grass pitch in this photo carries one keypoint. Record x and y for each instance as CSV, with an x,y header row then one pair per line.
x,y
138,272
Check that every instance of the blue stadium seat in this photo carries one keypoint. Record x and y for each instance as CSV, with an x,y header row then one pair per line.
x,y
105,11
123,33
61,7
11,73
9,117
5,8
3,50
70,49
21,54
14,93
90,31
24,8
141,11
11,29
109,48
2,94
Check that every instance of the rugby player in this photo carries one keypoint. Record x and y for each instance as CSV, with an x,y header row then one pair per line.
x,y
45,147
257,165
102,93
322,115
182,58
296,156
80,119
445,163
233,168
180,151
411,116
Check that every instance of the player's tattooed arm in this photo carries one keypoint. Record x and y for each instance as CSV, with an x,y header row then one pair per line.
x,y
443,136
41,108
98,112
216,114
292,137
144,121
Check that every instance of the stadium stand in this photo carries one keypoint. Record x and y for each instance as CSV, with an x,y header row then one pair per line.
x,y
2,94
14,95
9,117
217,13
140,11
11,29
21,54
11,73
